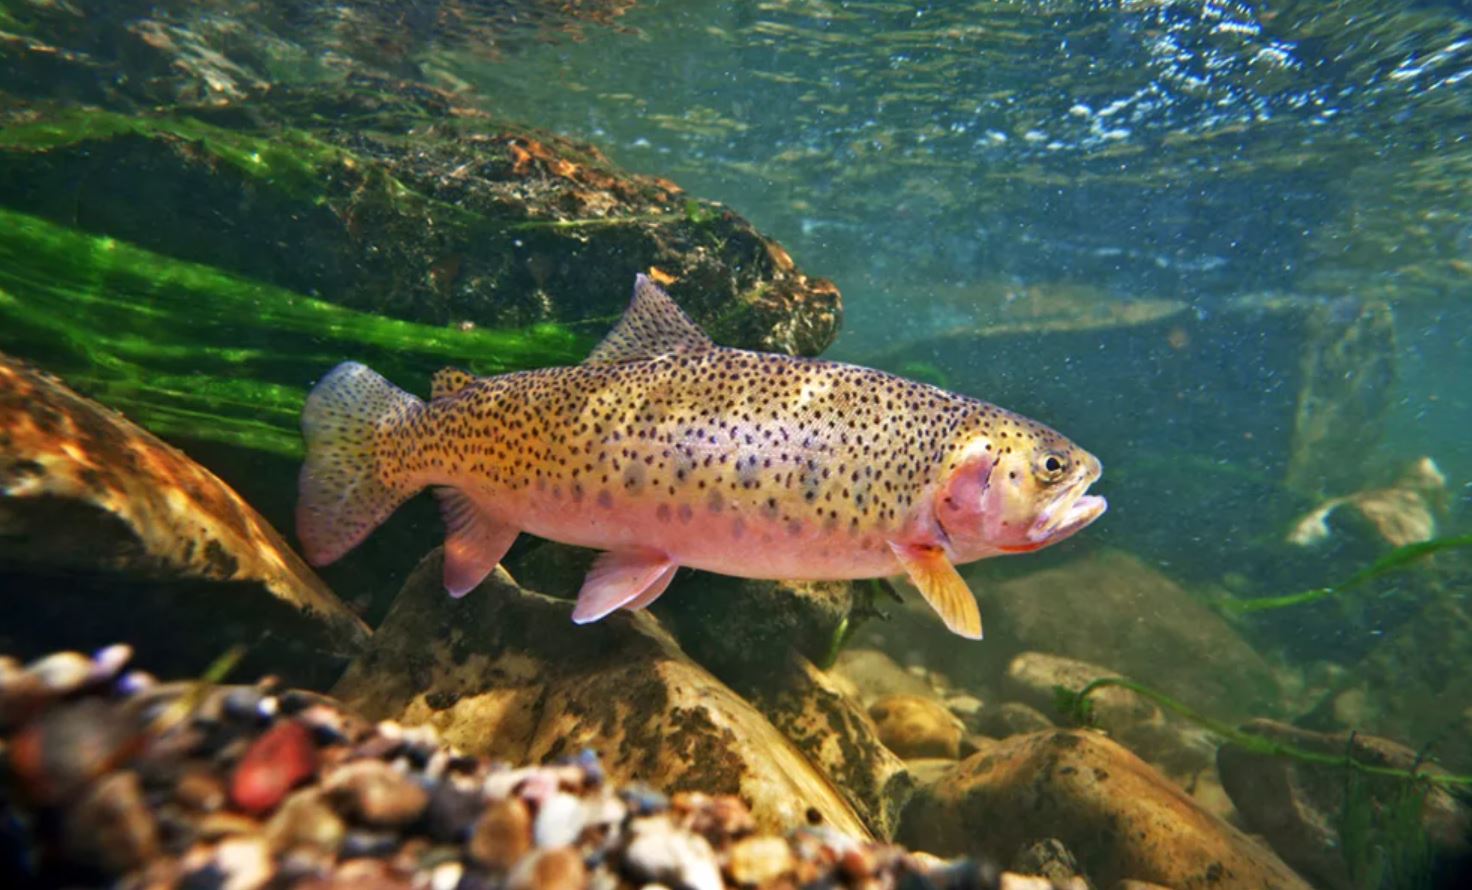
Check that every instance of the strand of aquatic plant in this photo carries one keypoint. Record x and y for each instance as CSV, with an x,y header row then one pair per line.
x,y
190,350
1080,710
1395,560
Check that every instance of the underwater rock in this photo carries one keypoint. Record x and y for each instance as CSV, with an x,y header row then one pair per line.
x,y
275,763
111,828
384,806
503,672
759,638
917,726
1034,677
874,675
125,533
836,735
1115,813
1170,744
1303,808
423,209
1012,718
1397,515
733,626
1112,609
1050,858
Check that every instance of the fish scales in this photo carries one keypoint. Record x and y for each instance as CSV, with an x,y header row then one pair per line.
x,y
667,450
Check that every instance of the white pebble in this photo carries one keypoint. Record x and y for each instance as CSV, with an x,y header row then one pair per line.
x,y
659,852
559,821
446,876
245,862
61,671
107,662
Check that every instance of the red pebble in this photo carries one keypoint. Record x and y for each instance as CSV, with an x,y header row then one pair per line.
x,y
274,764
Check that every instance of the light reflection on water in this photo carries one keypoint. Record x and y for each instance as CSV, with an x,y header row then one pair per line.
x,y
1172,149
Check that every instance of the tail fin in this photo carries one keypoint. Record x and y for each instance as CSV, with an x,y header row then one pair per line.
x,y
344,492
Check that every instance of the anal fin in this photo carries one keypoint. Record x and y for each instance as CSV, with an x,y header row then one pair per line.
x,y
474,542
942,586
630,579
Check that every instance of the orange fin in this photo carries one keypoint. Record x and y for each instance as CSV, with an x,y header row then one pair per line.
x,y
652,326
448,381
622,579
474,542
942,587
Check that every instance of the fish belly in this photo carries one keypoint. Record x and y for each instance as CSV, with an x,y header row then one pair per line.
x,y
736,542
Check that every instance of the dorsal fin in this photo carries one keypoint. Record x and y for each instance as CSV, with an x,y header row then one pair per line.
x,y
652,326
448,381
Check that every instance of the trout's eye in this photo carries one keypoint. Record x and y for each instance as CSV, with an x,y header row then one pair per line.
x,y
1051,467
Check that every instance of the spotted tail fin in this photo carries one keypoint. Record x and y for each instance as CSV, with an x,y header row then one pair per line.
x,y
344,491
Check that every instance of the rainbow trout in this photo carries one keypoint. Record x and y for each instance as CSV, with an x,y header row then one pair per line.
x,y
666,450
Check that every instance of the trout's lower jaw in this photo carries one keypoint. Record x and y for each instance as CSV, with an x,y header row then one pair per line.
x,y
1066,517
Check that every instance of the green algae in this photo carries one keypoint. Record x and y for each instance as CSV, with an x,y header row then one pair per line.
x,y
292,160
190,351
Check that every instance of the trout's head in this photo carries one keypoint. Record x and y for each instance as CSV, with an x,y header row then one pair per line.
x,y
1013,487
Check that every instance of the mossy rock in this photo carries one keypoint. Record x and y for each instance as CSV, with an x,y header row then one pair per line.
x,y
393,199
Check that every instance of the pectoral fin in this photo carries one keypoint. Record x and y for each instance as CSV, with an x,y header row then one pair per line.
x,y
629,579
474,542
942,587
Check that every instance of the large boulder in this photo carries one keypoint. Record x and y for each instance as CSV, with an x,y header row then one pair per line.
x,y
108,533
504,672
835,733
1101,606
1112,608
1120,818
760,638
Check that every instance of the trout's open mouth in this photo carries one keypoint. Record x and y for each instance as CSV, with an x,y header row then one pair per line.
x,y
1070,512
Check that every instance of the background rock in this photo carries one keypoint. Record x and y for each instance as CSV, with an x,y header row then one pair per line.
x,y
873,675
737,627
504,672
1171,744
1013,718
917,726
1115,813
1302,808
1101,606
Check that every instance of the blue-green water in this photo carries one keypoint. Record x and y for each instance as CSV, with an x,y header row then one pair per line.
x,y
1225,246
